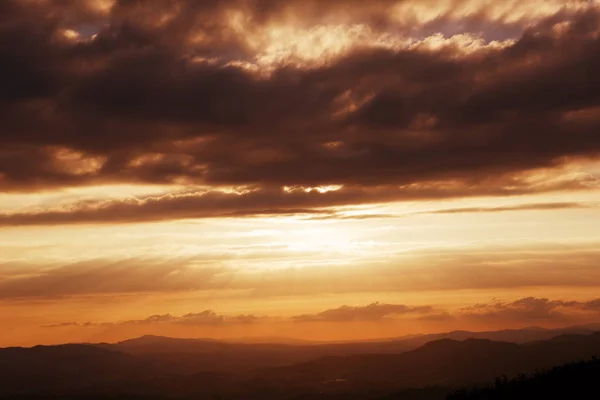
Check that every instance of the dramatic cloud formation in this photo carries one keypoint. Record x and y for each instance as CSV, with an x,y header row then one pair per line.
x,y
256,157
207,204
385,101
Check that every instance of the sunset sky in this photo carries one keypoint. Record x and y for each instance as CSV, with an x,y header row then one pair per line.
x,y
313,169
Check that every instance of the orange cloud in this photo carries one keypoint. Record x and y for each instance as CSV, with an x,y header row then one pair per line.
x,y
437,269
522,312
371,312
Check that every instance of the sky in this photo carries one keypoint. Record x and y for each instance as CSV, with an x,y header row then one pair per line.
x,y
321,170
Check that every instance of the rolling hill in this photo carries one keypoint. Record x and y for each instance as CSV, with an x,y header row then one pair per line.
x,y
157,367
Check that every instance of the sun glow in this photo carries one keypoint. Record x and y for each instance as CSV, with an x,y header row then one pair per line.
x,y
175,164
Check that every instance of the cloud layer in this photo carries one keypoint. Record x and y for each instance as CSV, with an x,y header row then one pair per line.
x,y
389,102
426,270
371,312
528,310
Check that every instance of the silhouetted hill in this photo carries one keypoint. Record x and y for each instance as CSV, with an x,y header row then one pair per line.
x,y
214,355
523,335
238,356
570,381
64,367
445,362
159,344
175,368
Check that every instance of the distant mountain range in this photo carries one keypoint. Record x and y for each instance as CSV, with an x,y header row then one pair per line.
x,y
204,368
444,362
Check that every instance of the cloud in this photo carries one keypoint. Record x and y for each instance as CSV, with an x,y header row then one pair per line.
x,y
97,277
549,265
371,312
275,201
213,94
206,317
520,207
63,325
460,210
533,309
528,310
203,318
525,310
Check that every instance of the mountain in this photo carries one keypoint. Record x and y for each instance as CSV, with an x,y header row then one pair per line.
x,y
271,340
64,367
523,335
444,362
241,356
570,381
203,355
159,367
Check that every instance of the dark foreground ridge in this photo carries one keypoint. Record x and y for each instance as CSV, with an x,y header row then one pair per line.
x,y
570,381
164,368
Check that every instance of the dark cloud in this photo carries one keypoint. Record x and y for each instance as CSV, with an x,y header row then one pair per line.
x,y
160,94
274,201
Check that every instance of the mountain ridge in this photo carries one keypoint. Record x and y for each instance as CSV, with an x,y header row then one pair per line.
x,y
92,369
